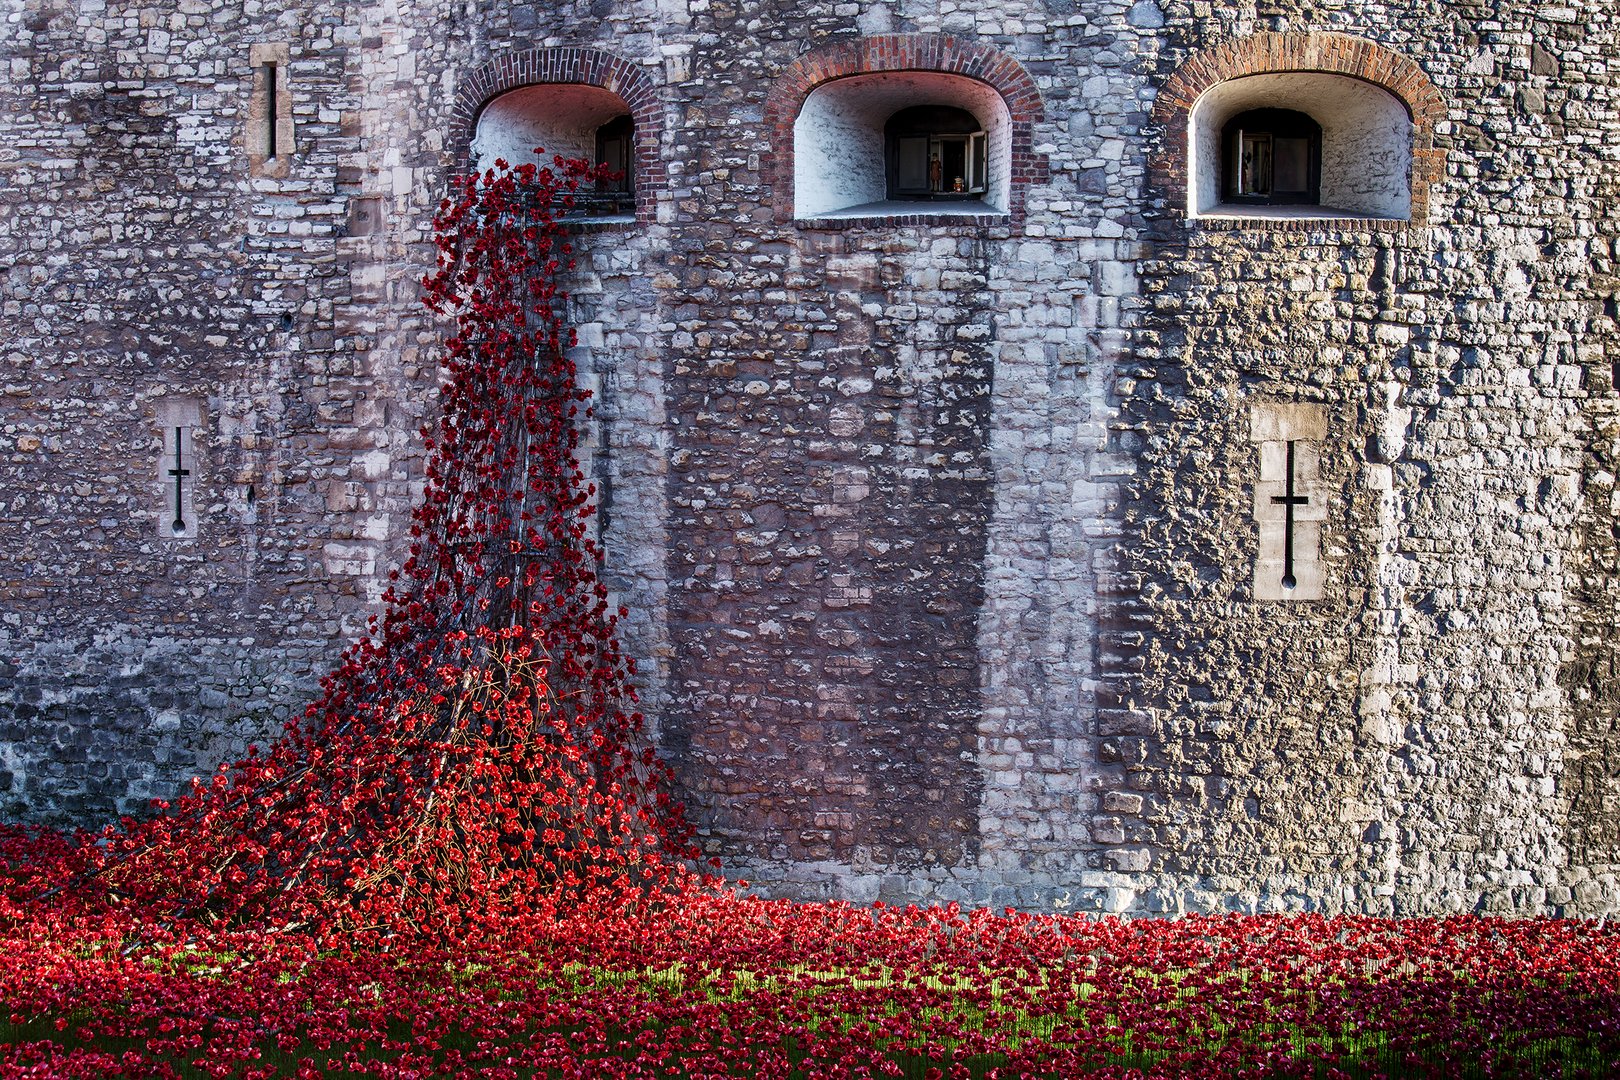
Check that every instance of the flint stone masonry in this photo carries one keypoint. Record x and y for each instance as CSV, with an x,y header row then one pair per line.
x,y
939,532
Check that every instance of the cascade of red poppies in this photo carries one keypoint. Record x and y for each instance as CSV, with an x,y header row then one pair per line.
x,y
478,751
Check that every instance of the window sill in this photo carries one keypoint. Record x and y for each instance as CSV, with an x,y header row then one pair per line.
x,y
1232,217
598,223
906,212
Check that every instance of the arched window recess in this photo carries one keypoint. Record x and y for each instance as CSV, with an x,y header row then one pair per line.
x,y
1301,144
1299,127
577,102
572,121
880,128
873,145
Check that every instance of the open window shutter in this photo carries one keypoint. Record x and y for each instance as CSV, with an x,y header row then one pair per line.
x,y
1291,166
911,164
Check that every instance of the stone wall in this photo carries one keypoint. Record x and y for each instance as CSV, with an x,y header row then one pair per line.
x,y
939,533
153,260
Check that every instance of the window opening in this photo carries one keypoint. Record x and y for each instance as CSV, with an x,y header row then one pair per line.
x,y
273,111
936,152
269,135
1272,156
177,468
615,148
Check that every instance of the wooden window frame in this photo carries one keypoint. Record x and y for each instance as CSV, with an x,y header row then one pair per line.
x,y
1271,125
974,153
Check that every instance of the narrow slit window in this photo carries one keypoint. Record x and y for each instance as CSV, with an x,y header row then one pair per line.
x,y
268,74
1290,501
177,469
269,136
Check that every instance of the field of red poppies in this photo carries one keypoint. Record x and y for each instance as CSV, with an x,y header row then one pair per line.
x,y
715,984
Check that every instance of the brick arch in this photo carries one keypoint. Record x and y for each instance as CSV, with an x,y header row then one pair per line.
x,y
587,67
1315,53
941,53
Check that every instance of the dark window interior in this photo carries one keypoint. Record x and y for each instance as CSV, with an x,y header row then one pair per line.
x,y
1271,157
935,152
615,148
